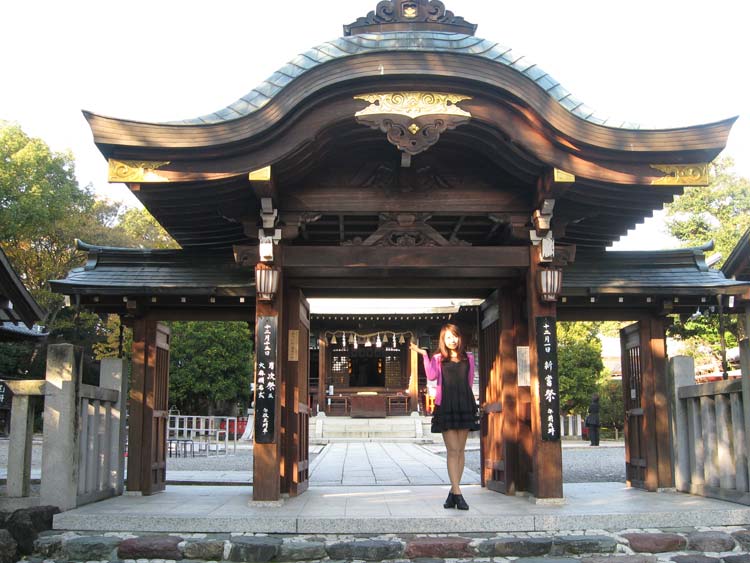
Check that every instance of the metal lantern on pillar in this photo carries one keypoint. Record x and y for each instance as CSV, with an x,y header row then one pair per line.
x,y
550,283
266,281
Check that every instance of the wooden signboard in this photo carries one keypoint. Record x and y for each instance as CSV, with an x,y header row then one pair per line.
x,y
265,380
549,396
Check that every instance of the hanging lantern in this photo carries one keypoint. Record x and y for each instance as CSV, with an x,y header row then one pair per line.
x,y
402,340
378,342
394,339
550,283
351,339
266,281
368,344
356,343
333,340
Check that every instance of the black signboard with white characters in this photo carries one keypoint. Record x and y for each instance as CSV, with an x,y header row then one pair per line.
x,y
265,380
549,396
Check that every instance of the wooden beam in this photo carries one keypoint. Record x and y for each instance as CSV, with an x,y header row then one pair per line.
x,y
353,258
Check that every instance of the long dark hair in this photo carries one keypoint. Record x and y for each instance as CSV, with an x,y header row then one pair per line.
x,y
460,349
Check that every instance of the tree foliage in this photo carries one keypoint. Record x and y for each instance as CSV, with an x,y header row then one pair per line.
x,y
611,404
43,211
718,212
580,364
210,365
142,230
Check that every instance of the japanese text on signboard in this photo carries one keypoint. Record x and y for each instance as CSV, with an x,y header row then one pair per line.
x,y
265,380
549,400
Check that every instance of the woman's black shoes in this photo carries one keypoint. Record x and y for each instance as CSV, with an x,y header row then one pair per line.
x,y
450,502
455,501
460,502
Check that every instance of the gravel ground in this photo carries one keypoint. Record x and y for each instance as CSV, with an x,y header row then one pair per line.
x,y
581,465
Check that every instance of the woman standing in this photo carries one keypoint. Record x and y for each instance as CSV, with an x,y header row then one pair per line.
x,y
456,411
592,420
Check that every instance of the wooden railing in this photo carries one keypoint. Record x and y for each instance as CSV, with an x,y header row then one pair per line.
x,y
710,435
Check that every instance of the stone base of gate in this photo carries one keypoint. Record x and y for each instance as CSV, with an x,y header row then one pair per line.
x,y
399,509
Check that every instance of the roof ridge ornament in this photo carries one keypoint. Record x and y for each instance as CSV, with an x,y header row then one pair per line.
x,y
407,15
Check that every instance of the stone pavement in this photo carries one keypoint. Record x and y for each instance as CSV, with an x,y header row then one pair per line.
x,y
381,463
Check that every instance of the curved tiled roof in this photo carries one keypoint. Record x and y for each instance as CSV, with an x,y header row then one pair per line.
x,y
429,41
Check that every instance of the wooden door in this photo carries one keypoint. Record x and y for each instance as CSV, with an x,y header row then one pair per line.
x,y
296,410
148,412
632,386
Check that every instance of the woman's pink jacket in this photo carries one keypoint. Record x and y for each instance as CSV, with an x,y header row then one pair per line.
x,y
433,368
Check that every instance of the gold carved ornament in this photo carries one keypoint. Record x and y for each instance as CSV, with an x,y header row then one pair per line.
x,y
135,171
682,174
412,104
412,121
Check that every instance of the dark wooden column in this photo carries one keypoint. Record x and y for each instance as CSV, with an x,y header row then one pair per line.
x,y
546,455
136,406
509,316
148,416
267,456
490,391
659,467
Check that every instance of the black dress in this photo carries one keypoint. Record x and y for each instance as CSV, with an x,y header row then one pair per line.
x,y
458,408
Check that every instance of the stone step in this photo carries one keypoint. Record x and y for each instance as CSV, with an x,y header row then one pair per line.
x,y
393,428
720,545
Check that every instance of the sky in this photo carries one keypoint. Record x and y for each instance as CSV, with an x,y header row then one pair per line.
x,y
660,63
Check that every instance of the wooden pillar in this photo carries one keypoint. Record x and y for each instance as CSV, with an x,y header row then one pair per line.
x,y
547,454
509,315
655,403
148,419
322,371
413,378
267,460
136,407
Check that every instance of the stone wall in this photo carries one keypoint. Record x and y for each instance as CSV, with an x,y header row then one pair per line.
x,y
686,545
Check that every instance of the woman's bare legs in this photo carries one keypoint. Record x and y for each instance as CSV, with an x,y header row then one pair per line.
x,y
455,444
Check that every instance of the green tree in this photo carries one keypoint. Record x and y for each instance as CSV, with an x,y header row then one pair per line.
x,y
210,366
142,230
43,211
611,404
718,212
579,357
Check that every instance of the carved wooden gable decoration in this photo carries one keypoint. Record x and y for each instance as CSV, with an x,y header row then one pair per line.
x,y
396,15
